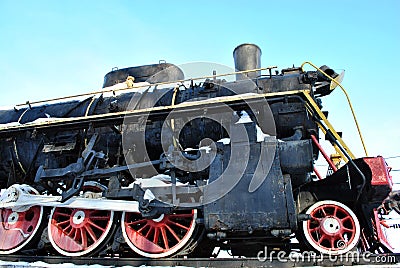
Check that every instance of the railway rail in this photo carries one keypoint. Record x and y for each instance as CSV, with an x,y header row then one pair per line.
x,y
305,261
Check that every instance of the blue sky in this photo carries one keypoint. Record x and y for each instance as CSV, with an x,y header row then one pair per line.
x,y
56,48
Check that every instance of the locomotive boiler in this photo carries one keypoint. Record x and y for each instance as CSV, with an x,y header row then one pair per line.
x,y
159,165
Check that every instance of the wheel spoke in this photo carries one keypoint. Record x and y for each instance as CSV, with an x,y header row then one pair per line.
x,y
179,225
62,214
347,230
96,226
62,222
66,229
335,210
77,234
71,232
322,238
83,238
341,237
348,217
89,230
315,229
165,238
332,242
138,222
148,233
173,233
156,235
140,231
323,211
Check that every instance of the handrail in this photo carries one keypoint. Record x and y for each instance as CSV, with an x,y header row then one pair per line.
x,y
348,100
328,129
141,85
330,163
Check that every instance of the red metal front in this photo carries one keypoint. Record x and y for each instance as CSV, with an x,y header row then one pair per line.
x,y
380,171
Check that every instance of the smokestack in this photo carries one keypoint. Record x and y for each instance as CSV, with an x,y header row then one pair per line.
x,y
247,57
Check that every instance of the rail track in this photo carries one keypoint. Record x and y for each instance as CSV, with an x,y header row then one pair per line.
x,y
305,261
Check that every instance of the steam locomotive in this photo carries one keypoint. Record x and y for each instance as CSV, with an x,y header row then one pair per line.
x,y
156,165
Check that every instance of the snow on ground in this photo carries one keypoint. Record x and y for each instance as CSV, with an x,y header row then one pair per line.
x,y
41,264
70,265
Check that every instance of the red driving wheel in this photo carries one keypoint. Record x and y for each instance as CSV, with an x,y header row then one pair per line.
x,y
332,229
160,237
18,228
78,231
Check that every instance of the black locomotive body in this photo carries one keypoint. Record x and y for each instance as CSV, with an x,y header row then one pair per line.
x,y
235,160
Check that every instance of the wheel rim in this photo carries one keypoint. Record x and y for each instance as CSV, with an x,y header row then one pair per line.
x,y
332,229
18,228
160,237
77,232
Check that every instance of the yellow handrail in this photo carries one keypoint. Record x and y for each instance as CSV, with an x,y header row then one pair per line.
x,y
348,100
313,106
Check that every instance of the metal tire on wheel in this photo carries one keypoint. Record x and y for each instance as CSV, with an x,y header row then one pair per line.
x,y
333,228
78,232
161,237
18,228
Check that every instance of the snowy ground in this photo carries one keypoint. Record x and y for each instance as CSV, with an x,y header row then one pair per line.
x,y
40,264
222,254
70,265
